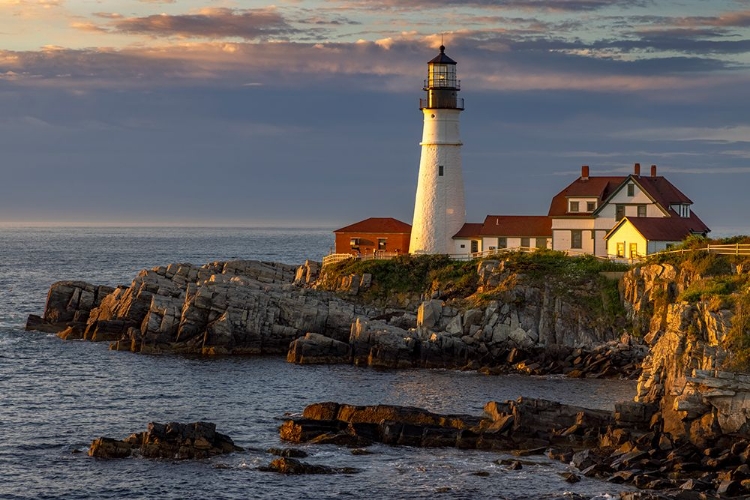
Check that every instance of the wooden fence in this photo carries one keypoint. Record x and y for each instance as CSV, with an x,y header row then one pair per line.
x,y
742,249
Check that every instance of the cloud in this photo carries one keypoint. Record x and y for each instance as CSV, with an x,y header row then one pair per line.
x,y
708,170
739,19
728,134
212,23
492,61
524,5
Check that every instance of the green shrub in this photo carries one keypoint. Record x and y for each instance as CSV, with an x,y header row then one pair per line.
x,y
705,289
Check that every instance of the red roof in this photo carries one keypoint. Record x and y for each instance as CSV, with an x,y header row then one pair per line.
x,y
469,230
517,225
664,228
379,225
600,188
662,191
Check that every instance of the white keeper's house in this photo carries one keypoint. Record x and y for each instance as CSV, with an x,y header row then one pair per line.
x,y
616,216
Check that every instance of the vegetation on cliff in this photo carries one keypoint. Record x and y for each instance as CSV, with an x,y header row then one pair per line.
x,y
720,282
460,282
407,274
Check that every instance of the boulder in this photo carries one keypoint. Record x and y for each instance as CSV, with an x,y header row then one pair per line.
x,y
293,466
68,302
173,440
314,348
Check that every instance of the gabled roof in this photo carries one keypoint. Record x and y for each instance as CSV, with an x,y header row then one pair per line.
x,y
600,188
662,191
517,226
657,188
381,225
663,228
469,230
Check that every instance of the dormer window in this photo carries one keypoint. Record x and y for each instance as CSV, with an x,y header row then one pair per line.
x,y
574,206
590,206
631,189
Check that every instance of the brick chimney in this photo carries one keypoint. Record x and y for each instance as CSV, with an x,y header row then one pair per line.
x,y
653,170
637,169
585,173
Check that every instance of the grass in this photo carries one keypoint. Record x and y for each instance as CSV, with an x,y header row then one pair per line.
x,y
407,274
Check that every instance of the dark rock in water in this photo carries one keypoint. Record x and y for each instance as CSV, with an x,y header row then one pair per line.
x,y
287,452
527,425
314,348
293,466
173,440
361,451
570,477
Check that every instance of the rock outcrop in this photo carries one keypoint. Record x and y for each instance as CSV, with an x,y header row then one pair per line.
x,y
250,307
173,440
69,303
624,446
236,307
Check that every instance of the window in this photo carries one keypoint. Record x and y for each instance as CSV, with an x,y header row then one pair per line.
x,y
631,189
574,206
576,239
440,170
621,249
590,206
502,243
641,210
381,243
463,246
474,246
354,242
634,250
619,212
525,242
541,242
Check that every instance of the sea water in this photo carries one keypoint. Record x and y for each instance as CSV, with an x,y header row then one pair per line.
x,y
57,396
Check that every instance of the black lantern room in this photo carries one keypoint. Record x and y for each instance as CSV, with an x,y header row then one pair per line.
x,y
441,85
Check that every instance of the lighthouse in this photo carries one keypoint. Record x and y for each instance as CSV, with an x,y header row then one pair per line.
x,y
439,209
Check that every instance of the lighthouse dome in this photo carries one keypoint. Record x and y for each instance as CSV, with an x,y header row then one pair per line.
x,y
441,58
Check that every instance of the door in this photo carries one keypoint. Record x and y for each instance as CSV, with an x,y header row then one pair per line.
x,y
634,250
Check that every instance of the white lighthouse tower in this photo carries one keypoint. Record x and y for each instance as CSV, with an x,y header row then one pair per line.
x,y
439,209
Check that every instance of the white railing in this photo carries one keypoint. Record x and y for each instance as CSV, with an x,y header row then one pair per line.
x,y
336,257
339,257
742,249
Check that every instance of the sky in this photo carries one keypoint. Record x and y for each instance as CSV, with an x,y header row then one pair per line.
x,y
305,112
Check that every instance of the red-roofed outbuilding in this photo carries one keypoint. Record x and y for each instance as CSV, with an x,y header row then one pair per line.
x,y
376,234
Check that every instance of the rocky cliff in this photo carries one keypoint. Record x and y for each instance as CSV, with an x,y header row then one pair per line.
x,y
238,307
507,321
687,372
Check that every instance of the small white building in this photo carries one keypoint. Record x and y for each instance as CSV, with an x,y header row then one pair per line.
x,y
501,232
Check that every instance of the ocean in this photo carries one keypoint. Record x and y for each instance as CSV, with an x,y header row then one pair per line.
x,y
57,396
